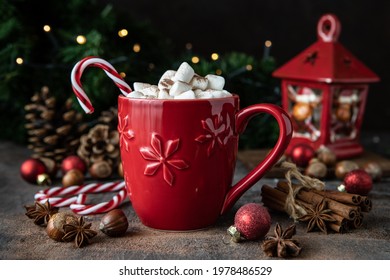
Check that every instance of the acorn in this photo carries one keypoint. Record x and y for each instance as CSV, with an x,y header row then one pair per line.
x,y
56,223
114,223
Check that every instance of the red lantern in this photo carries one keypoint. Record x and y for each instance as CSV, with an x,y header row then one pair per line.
x,y
324,89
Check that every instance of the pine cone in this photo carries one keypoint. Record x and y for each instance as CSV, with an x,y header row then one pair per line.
x,y
53,130
101,143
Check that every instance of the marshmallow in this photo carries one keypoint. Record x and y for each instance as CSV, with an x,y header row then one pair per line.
x,y
151,91
163,94
169,74
184,73
140,86
182,84
186,95
179,87
198,82
215,82
200,94
136,94
165,84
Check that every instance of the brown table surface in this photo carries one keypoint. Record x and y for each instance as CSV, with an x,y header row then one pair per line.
x,y
21,239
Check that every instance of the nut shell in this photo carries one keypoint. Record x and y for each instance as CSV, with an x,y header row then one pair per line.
x,y
100,170
317,170
55,225
73,177
114,223
343,167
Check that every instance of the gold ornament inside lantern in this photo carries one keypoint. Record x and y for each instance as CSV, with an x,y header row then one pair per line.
x,y
324,89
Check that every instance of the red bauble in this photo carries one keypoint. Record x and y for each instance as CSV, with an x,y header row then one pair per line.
x,y
301,154
252,221
358,181
31,169
73,162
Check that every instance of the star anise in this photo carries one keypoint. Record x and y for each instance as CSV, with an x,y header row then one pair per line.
x,y
281,245
318,216
80,232
40,212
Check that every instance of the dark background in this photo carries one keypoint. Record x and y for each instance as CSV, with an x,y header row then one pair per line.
x,y
243,26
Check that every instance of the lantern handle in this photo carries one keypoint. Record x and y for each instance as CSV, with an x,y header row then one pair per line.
x,y
328,28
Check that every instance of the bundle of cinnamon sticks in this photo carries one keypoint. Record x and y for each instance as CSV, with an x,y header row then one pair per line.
x,y
346,208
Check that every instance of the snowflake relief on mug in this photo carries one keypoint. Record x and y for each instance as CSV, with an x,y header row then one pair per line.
x,y
161,154
216,130
126,134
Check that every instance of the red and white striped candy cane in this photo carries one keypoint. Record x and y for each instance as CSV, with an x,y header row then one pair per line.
x,y
102,207
75,195
61,201
77,72
83,189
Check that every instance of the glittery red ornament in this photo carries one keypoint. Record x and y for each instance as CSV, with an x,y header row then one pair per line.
x,y
301,154
31,169
358,181
73,162
252,221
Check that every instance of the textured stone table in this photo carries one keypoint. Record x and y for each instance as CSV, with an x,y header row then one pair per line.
x,y
21,239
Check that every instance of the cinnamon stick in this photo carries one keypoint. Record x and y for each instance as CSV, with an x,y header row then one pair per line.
x,y
366,204
342,197
338,227
273,198
347,211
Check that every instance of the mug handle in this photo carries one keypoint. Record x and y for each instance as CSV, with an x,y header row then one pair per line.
x,y
285,133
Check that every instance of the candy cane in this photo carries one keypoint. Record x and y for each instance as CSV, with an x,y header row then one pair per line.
x,y
102,207
77,72
87,188
60,201
75,195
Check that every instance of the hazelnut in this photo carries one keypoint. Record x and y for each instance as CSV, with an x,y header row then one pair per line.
x,y
317,170
374,169
72,178
114,223
327,156
343,167
120,169
56,223
100,170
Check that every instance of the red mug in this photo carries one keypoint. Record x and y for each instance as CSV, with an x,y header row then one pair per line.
x,y
179,157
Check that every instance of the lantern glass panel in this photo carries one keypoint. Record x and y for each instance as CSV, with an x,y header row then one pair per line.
x,y
344,114
305,107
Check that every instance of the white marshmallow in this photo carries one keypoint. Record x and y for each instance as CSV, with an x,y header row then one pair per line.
x,y
198,82
226,93
215,82
136,94
165,83
169,74
217,94
186,95
151,91
184,73
140,86
200,94
179,87
164,94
